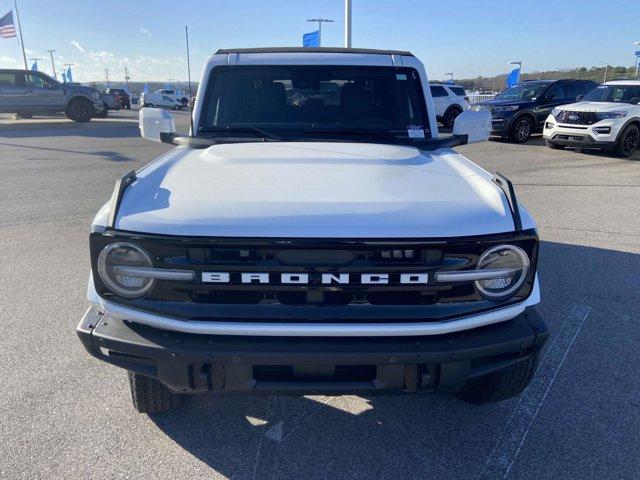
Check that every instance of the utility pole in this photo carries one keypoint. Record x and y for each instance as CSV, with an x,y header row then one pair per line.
x,y
24,55
53,65
126,77
106,72
35,60
347,23
320,22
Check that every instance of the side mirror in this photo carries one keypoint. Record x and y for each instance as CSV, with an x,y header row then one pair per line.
x,y
475,125
157,125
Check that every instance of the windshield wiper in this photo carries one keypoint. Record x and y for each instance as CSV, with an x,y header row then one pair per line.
x,y
354,131
266,136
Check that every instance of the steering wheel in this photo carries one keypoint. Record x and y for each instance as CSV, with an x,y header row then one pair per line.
x,y
375,121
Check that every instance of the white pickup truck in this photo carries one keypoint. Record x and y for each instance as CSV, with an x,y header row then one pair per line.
x,y
314,233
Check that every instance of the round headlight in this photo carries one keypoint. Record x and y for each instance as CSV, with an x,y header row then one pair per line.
x,y
509,265
114,262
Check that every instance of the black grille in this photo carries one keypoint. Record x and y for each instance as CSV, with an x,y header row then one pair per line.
x,y
576,118
313,301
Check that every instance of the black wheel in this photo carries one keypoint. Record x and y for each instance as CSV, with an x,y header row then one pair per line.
x,y
628,142
555,146
80,110
150,105
521,130
449,117
149,395
127,106
501,385
176,107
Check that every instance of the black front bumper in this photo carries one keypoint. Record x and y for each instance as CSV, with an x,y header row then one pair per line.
x,y
189,363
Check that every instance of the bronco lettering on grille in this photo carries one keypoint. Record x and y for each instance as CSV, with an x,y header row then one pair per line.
x,y
303,278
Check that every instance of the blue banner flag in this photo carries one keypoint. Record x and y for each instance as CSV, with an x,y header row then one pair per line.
x,y
311,39
7,27
69,76
513,77
34,66
146,88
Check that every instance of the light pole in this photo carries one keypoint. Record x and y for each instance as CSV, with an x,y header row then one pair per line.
x,y
347,23
320,22
106,73
637,57
450,76
53,65
126,77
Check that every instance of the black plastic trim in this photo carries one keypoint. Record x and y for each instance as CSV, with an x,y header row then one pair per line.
x,y
224,51
121,185
507,187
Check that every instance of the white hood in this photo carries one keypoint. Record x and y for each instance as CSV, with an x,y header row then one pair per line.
x,y
330,190
596,107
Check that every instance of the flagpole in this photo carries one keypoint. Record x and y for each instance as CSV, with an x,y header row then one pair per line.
x,y
24,55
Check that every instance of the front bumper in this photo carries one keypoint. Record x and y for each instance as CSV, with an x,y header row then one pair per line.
x,y
582,136
196,363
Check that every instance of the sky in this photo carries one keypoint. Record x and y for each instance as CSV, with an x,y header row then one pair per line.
x,y
466,37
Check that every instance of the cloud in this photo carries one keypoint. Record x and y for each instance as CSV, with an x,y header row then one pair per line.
x,y
7,59
78,46
145,32
102,56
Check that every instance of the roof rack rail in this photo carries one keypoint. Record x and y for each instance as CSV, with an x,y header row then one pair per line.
x,y
507,187
114,204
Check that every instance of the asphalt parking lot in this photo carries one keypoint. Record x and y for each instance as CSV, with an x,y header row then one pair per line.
x,y
66,415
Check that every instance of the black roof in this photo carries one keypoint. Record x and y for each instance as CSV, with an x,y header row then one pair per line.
x,y
313,50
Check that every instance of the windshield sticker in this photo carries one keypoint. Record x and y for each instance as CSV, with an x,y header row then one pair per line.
x,y
401,76
415,131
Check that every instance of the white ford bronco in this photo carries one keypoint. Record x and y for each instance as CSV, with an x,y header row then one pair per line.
x,y
312,233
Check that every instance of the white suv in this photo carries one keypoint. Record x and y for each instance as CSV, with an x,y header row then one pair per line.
x,y
607,118
449,101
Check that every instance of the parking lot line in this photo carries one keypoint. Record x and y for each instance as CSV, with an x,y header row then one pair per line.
x,y
506,450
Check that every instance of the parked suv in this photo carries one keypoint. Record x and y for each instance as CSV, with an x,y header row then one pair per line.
x,y
122,97
27,92
607,118
313,233
521,110
449,101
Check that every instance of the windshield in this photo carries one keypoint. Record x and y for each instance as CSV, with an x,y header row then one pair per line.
x,y
523,91
614,94
309,99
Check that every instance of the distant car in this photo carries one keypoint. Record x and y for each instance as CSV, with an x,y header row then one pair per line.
x,y
27,92
110,103
607,118
521,110
156,99
176,95
449,101
122,97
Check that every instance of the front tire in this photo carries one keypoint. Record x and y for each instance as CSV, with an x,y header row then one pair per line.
x,y
500,385
449,117
80,110
628,142
521,130
149,395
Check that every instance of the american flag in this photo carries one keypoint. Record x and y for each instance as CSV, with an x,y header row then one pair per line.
x,y
7,27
